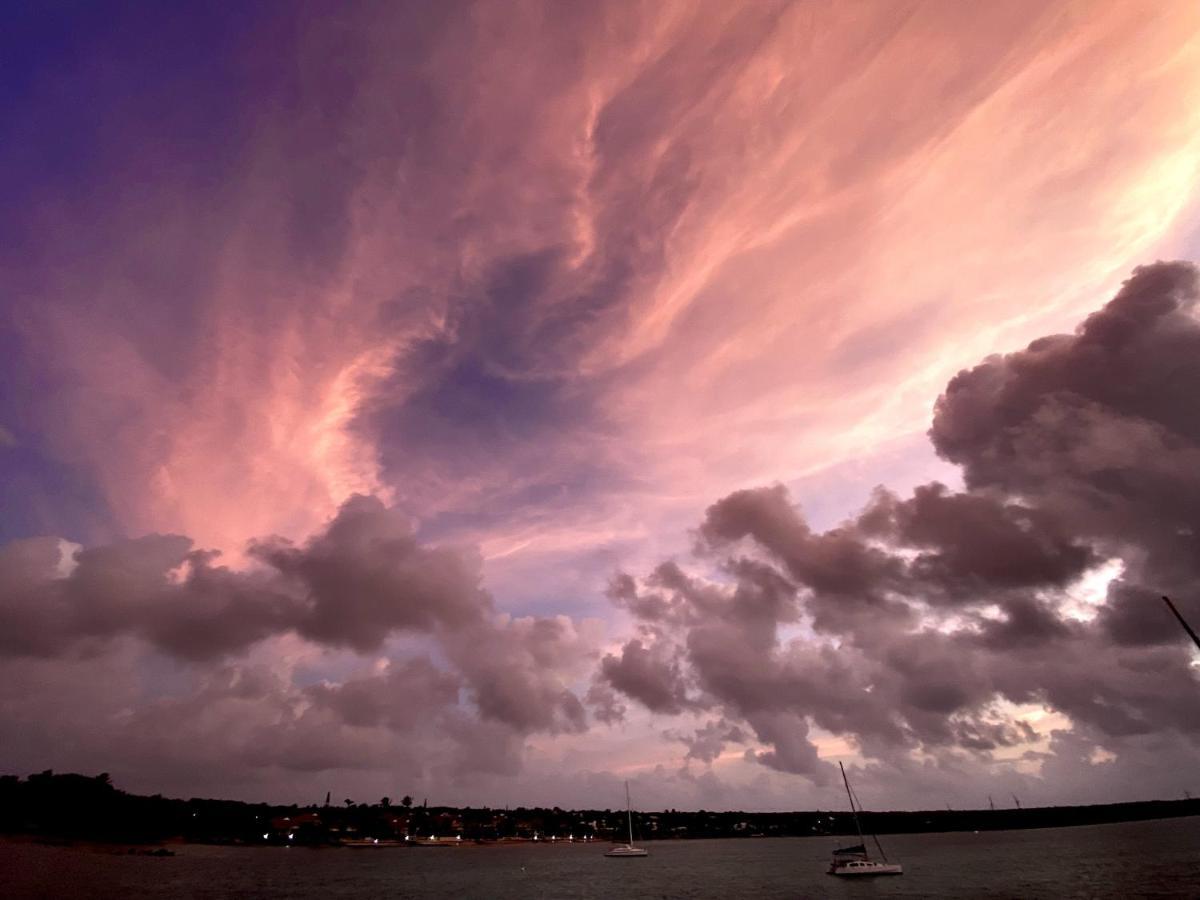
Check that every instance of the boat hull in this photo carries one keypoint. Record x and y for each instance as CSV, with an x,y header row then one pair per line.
x,y
627,853
866,869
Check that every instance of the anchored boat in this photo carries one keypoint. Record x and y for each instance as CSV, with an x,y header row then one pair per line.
x,y
628,850
855,861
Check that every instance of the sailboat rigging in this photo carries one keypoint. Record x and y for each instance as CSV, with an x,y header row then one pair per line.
x,y
855,860
628,850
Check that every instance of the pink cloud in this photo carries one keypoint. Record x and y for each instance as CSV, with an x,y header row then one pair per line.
x,y
547,281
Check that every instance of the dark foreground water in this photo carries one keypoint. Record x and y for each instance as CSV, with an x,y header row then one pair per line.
x,y
1140,859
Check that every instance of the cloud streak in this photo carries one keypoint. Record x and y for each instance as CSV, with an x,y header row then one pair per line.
x,y
573,242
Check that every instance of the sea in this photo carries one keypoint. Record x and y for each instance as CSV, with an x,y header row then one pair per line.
x,y
1159,858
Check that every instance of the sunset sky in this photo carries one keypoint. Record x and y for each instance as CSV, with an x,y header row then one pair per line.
x,y
492,402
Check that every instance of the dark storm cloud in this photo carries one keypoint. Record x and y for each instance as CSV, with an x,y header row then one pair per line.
x,y
1026,622
604,702
706,743
518,671
360,580
156,587
928,610
397,699
848,576
366,576
968,543
786,733
648,675
1124,618
1100,427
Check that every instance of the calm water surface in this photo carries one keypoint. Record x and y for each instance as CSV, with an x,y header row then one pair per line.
x,y
1141,859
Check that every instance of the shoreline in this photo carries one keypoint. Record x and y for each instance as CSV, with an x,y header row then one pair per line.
x,y
71,807
168,846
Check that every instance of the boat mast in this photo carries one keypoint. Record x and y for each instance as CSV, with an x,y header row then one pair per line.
x,y
849,796
1182,621
629,812
874,836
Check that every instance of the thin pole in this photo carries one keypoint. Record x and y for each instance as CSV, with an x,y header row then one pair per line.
x,y
629,812
878,846
874,836
857,827
1182,621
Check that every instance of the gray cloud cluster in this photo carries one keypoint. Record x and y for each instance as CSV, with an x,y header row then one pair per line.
x,y
910,626
361,580
157,587
1099,431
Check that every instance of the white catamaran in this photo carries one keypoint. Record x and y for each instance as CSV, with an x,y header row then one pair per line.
x,y
855,861
628,850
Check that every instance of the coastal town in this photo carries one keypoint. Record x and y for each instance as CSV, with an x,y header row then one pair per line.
x,y
90,808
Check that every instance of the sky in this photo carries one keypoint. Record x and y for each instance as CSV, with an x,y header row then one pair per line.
x,y
496,402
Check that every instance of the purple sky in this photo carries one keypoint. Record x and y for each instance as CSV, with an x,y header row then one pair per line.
x,y
494,402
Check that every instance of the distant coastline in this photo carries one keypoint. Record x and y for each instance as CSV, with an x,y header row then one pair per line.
x,y
79,808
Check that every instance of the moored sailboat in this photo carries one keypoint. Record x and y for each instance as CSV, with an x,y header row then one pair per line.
x,y
856,861
628,851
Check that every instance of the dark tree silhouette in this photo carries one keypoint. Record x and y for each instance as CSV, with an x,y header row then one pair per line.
x,y
406,802
81,807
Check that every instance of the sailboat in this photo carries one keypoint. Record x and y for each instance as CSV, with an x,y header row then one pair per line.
x,y
628,850
855,861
